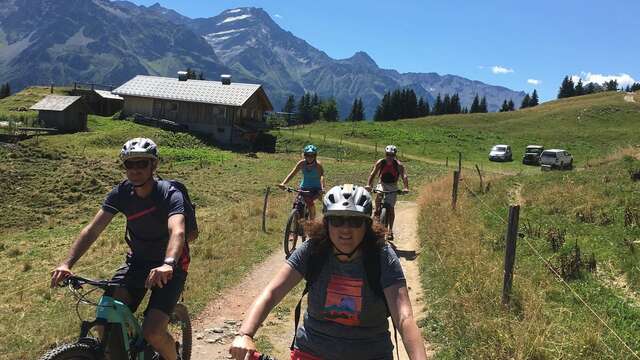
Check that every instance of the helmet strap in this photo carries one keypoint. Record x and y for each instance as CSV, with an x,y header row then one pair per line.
x,y
348,255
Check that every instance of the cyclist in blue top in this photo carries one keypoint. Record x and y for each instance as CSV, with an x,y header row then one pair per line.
x,y
312,178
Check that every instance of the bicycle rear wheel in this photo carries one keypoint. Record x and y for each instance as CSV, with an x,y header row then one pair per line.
x,y
291,232
180,329
75,351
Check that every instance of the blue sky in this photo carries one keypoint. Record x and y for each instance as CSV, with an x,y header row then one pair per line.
x,y
520,45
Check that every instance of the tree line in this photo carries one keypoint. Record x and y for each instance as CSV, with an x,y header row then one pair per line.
x,y
401,104
569,88
310,107
5,90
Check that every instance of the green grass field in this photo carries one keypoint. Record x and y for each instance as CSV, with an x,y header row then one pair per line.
x,y
53,185
587,126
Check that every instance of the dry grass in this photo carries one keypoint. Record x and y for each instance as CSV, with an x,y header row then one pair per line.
x,y
462,276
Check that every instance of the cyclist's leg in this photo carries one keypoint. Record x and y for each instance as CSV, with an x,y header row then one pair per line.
x,y
378,203
309,199
161,305
129,293
390,201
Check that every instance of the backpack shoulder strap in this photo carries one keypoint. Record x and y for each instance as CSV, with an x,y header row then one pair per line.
x,y
316,262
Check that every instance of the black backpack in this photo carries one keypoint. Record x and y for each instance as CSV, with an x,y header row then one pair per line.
x,y
317,259
191,223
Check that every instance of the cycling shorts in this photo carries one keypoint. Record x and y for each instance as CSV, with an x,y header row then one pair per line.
x,y
389,199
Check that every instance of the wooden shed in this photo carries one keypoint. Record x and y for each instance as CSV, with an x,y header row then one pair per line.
x,y
100,102
231,113
65,113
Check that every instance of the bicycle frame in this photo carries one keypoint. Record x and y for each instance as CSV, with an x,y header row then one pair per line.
x,y
119,324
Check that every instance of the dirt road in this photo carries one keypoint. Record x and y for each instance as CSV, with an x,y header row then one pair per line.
x,y
215,327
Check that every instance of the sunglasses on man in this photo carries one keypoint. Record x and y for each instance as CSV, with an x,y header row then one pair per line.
x,y
353,222
136,164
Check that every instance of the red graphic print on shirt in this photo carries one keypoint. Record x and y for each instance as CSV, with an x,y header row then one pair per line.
x,y
344,300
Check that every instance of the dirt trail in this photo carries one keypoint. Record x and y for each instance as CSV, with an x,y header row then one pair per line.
x,y
628,97
215,327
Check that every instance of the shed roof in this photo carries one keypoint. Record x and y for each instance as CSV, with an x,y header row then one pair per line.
x,y
55,102
199,91
107,95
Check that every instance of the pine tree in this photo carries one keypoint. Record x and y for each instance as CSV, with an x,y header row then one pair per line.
x,y
504,107
446,104
525,102
290,105
356,113
201,76
465,110
567,88
304,108
635,86
475,106
627,88
3,91
611,85
590,88
483,105
579,89
534,99
511,105
438,108
316,107
423,108
329,110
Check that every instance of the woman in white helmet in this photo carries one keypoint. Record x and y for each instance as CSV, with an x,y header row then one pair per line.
x,y
354,282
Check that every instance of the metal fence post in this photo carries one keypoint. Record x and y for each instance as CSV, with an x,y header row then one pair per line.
x,y
454,193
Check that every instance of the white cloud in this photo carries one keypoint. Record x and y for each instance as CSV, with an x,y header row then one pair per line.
x,y
587,77
534,81
277,16
497,69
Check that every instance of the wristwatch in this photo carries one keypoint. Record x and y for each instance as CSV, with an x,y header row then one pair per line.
x,y
170,261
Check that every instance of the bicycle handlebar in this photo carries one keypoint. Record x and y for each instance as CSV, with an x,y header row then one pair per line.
x,y
399,192
77,281
290,189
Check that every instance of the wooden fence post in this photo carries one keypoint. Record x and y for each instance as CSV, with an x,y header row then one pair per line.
x,y
510,253
459,161
446,162
454,193
481,183
264,210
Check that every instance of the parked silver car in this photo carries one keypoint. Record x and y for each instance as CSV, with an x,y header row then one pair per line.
x,y
556,159
500,153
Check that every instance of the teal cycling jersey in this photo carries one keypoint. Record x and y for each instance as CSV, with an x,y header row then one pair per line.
x,y
310,176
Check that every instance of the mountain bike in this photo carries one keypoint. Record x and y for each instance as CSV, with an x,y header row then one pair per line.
x,y
122,337
383,218
294,230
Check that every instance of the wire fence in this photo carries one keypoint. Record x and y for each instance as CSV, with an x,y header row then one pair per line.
x,y
489,210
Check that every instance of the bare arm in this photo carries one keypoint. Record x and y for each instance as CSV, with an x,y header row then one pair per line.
x,y
374,171
87,237
280,285
321,171
400,307
405,177
160,275
291,174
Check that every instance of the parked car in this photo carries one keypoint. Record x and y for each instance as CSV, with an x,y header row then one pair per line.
x,y
556,159
500,153
532,155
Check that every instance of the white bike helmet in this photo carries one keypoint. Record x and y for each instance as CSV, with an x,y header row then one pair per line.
x,y
347,200
139,148
391,149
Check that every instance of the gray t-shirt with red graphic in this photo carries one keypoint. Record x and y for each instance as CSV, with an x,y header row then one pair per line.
x,y
345,319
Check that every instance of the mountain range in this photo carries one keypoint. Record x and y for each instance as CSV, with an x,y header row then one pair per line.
x,y
109,42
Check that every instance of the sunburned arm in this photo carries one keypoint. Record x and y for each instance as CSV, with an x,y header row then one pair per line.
x,y
293,173
87,237
374,171
400,307
405,177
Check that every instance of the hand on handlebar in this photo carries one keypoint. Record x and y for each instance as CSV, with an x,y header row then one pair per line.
x,y
59,274
242,347
368,188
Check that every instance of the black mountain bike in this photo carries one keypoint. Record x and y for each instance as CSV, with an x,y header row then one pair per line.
x,y
294,231
384,211
122,339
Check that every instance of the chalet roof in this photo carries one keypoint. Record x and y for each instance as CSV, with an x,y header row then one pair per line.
x,y
107,95
55,102
199,91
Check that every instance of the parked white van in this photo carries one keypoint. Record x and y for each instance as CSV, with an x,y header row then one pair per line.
x,y
556,159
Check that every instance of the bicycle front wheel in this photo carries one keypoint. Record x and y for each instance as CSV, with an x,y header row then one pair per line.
x,y
180,330
75,351
291,232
